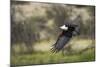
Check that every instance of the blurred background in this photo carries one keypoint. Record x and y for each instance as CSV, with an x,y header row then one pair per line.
x,y
35,28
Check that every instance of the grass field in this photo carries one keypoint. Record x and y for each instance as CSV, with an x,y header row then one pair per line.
x,y
46,57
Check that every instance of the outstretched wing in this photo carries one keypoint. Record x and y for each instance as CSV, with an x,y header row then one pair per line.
x,y
61,42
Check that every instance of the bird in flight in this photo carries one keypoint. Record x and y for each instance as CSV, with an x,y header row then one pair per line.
x,y
68,30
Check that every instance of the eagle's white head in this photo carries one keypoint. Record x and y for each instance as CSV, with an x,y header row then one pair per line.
x,y
64,27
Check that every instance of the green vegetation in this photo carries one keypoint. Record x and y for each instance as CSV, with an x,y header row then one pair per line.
x,y
47,57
